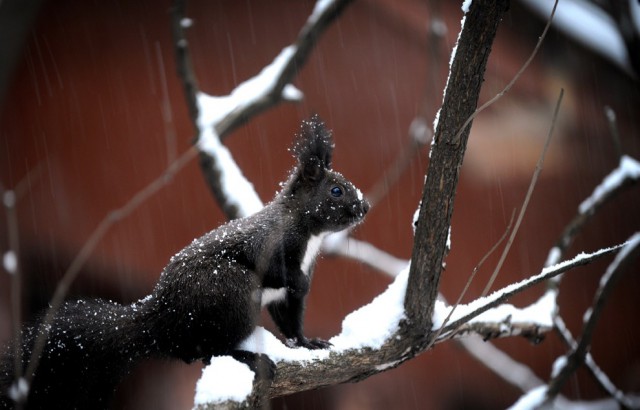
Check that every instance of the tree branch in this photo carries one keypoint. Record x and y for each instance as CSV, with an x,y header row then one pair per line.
x,y
601,378
525,203
460,100
577,356
468,312
216,117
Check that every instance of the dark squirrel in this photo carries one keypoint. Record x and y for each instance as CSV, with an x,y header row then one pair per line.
x,y
208,298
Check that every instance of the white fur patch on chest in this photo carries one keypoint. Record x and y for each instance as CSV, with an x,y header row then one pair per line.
x,y
270,295
313,247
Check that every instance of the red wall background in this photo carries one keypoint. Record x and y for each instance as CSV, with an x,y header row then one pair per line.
x,y
96,108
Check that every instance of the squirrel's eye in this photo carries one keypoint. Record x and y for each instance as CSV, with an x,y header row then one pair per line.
x,y
336,191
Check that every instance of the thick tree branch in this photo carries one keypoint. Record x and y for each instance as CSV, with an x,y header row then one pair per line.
x,y
460,101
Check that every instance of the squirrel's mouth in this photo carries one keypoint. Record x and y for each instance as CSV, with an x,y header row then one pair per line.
x,y
357,213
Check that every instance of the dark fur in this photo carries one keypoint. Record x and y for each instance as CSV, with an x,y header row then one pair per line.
x,y
208,298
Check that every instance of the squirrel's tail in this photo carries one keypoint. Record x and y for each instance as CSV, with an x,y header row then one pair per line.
x,y
92,344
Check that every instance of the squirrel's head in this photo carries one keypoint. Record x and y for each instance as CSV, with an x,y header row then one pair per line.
x,y
325,198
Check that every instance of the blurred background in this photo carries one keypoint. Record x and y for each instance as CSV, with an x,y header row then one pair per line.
x,y
92,110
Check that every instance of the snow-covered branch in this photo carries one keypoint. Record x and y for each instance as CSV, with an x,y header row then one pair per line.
x,y
214,117
627,174
601,378
577,356
466,313
340,244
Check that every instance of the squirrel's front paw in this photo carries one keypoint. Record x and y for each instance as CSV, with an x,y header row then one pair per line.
x,y
311,344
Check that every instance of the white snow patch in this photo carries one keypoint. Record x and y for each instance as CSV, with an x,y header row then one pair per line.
x,y
439,27
291,93
385,366
373,324
531,400
543,307
319,9
465,6
237,189
540,312
633,242
419,130
559,364
436,120
553,257
588,24
9,199
10,262
263,341
224,379
369,326
19,390
628,168
212,109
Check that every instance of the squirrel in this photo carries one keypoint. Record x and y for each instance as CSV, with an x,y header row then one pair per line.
x,y
208,298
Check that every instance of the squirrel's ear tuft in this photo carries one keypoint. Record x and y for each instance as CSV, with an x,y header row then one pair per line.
x,y
314,145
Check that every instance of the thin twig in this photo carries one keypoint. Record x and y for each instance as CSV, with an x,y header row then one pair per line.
x,y
511,371
183,59
515,78
470,279
341,244
167,110
505,293
96,236
525,203
601,378
588,209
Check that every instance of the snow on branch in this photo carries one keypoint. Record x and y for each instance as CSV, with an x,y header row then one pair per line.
x,y
214,117
468,312
235,194
625,175
577,356
628,171
224,380
340,244
600,376
531,322
213,111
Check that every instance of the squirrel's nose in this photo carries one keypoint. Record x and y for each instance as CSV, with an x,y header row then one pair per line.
x,y
365,206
